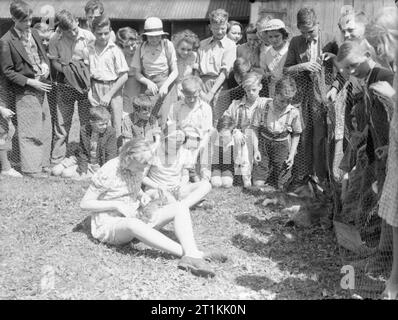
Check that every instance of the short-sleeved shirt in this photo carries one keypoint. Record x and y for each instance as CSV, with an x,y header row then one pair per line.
x,y
166,174
199,117
108,182
108,64
65,50
155,61
133,127
234,112
274,60
215,56
288,120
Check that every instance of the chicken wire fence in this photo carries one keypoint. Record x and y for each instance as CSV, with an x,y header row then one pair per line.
x,y
333,143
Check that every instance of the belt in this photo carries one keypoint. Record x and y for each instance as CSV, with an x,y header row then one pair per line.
x,y
278,137
103,81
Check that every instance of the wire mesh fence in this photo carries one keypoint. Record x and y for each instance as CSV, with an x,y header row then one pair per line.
x,y
335,160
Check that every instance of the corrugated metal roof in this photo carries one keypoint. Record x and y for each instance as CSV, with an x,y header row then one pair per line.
x,y
141,9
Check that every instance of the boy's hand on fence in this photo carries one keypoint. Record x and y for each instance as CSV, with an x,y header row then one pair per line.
x,y
152,87
38,85
105,100
382,152
311,66
332,94
289,162
6,113
383,90
238,137
163,91
327,56
257,156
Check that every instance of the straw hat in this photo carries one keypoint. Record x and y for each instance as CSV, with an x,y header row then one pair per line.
x,y
153,27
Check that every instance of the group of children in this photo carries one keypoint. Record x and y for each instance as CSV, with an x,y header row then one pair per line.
x,y
128,86
131,87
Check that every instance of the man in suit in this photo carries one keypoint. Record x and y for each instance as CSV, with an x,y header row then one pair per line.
x,y
25,65
304,58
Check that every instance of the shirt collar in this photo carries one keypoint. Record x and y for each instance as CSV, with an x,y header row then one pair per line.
x,y
287,110
222,41
19,32
80,34
281,52
243,103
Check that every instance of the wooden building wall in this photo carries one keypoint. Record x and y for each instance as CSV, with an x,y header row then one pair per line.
x,y
328,11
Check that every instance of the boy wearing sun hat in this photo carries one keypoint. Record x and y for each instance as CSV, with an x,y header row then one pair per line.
x,y
155,61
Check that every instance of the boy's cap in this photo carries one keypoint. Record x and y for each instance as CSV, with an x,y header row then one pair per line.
x,y
274,24
154,27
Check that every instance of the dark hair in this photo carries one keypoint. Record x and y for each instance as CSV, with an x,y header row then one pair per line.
x,y
285,34
286,86
225,123
93,5
99,114
234,23
251,28
125,34
144,101
306,17
100,22
65,20
20,9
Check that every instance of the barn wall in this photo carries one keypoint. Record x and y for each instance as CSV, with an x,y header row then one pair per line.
x,y
328,12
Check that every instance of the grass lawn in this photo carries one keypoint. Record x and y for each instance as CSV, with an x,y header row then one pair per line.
x,y
43,232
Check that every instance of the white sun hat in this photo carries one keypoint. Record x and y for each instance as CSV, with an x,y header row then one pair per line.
x,y
274,24
153,27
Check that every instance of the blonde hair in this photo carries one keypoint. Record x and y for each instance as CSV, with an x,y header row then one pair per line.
x,y
191,83
127,156
251,79
384,25
218,16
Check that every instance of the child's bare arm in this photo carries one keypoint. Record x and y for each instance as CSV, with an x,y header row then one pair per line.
x,y
219,81
106,99
293,150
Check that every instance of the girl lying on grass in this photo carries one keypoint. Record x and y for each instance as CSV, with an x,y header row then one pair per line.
x,y
117,203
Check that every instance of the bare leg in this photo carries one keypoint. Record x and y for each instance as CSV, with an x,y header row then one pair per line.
x,y
178,212
191,194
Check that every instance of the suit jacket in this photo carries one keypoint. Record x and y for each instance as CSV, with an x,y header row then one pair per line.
x,y
14,61
106,149
379,125
298,53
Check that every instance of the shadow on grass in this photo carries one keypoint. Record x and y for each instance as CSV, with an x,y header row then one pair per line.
x,y
134,247
306,251
290,288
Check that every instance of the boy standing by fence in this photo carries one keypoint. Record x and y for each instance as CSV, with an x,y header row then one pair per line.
x,y
25,65
303,63
67,45
109,72
216,56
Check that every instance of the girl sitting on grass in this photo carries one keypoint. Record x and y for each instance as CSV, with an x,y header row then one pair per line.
x,y
117,203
